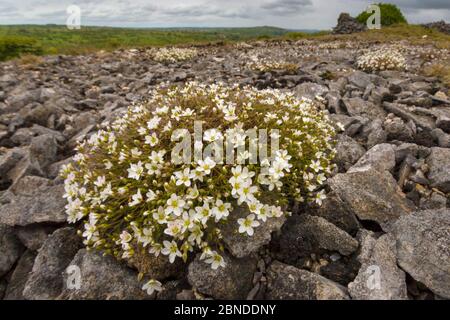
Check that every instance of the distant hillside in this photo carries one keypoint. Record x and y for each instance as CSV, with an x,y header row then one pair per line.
x,y
56,39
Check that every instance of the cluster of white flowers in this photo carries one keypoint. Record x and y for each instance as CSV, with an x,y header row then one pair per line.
x,y
268,65
382,59
173,55
129,194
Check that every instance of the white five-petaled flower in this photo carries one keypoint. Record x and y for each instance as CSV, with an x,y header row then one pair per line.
x,y
315,165
171,249
320,196
221,210
136,170
246,193
206,165
152,140
136,198
212,135
150,195
175,205
152,286
203,213
183,177
216,260
247,224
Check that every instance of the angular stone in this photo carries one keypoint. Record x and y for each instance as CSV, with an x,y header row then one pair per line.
x,y
423,248
439,164
102,278
360,107
348,151
380,157
240,244
43,149
234,281
20,276
338,213
33,236
11,249
408,114
443,122
372,195
310,90
379,277
33,200
289,283
46,279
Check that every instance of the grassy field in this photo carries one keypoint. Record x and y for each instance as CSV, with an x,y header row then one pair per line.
x,y
19,40
414,34
53,39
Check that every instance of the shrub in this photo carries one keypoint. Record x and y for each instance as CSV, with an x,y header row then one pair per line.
x,y
390,14
381,59
13,47
269,65
126,189
173,55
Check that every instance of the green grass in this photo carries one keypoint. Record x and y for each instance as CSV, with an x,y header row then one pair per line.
x,y
412,33
18,40
53,39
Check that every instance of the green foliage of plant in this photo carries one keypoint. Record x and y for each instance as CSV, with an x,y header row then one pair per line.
x,y
131,193
13,47
54,39
390,14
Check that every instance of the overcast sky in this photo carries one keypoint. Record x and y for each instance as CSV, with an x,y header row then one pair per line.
x,y
291,14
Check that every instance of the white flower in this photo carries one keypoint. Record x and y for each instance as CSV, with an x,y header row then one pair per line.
x,y
183,177
160,216
315,165
157,157
246,193
155,249
216,260
152,286
174,228
90,231
196,234
125,237
175,205
221,210
241,173
101,180
206,165
150,195
192,193
203,213
247,224
135,171
171,249
146,237
137,198
153,123
212,135
320,196
136,153
152,140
